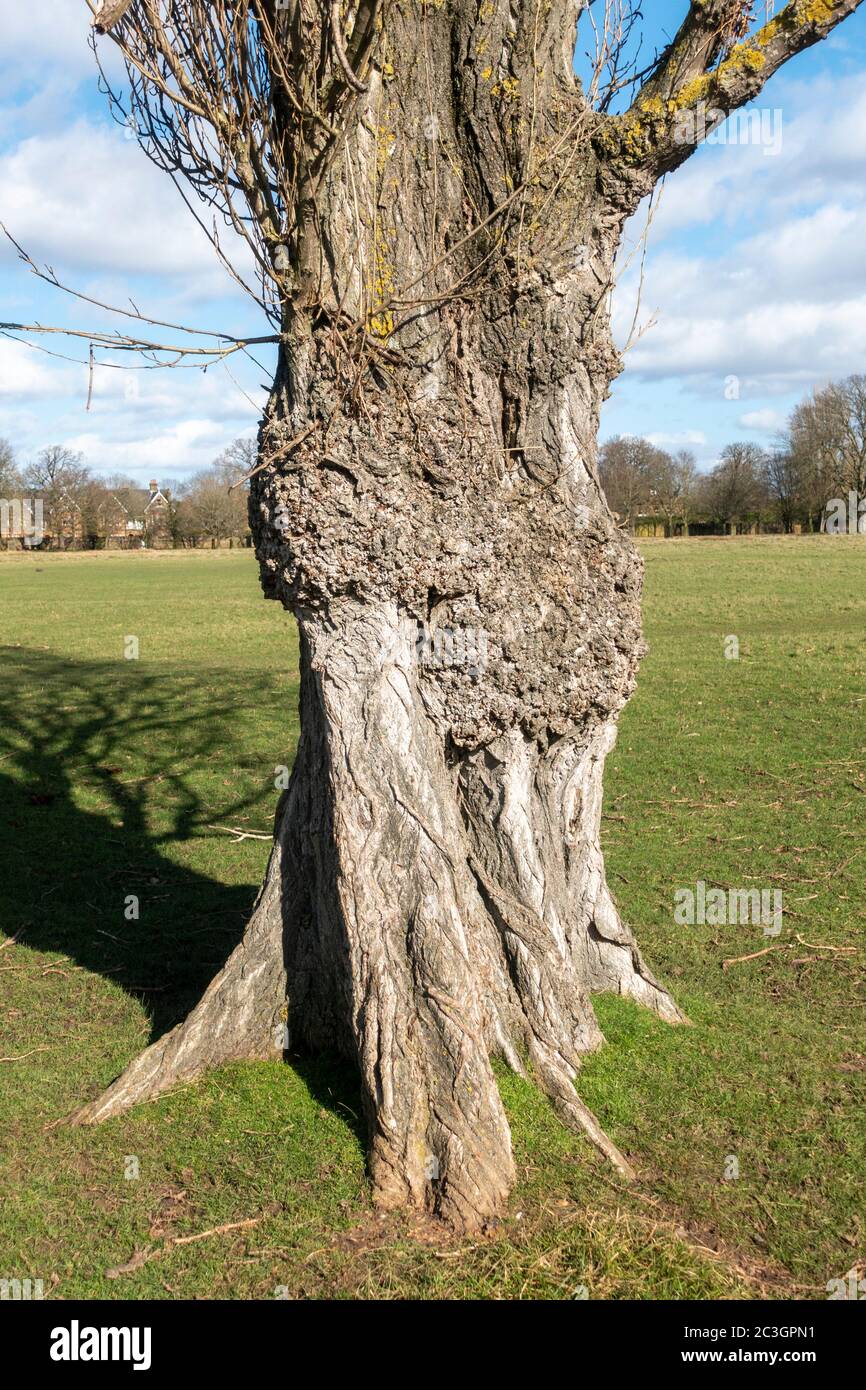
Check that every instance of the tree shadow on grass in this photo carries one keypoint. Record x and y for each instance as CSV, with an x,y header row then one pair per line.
x,y
102,765
131,744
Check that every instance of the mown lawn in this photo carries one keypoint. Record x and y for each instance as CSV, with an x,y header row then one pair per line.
x,y
114,774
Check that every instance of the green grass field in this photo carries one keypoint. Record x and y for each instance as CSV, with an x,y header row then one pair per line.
x,y
114,774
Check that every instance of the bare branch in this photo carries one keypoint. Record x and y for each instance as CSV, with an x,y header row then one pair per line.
x,y
340,48
123,342
716,60
49,276
243,102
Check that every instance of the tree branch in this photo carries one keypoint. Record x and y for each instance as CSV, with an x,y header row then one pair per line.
x,y
124,342
340,49
714,61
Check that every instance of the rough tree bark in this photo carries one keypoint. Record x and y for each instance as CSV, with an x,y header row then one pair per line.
x,y
428,507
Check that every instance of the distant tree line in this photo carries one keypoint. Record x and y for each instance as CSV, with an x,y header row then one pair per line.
x,y
83,511
819,457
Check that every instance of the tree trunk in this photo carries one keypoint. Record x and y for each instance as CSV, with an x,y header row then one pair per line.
x,y
424,908
428,507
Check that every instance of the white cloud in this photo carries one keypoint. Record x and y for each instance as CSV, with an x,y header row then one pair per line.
x,y
797,342
768,421
87,202
175,450
682,440
757,266
24,374
84,197
50,31
822,156
170,422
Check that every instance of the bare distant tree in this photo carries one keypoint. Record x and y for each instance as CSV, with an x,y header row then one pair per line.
x,y
11,482
827,438
434,205
118,482
629,468
783,480
56,467
11,490
215,513
216,499
734,489
61,477
237,460
673,486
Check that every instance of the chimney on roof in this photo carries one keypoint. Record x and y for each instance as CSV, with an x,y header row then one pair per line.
x,y
154,487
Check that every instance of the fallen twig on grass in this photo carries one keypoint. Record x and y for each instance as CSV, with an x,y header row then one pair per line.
x,y
736,960
847,951
242,834
216,1231
135,1261
811,946
25,1054
142,1257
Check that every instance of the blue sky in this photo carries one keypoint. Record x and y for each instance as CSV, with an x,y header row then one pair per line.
x,y
755,278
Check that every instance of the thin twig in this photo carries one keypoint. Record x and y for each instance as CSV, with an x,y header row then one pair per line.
x,y
846,950
735,960
241,834
273,458
339,48
141,1257
25,1054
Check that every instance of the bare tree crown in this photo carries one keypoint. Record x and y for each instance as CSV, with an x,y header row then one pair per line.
x,y
252,103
